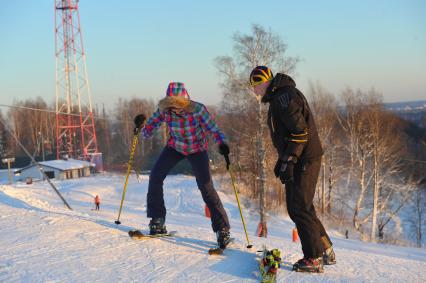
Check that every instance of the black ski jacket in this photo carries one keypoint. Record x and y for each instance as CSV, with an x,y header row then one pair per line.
x,y
290,121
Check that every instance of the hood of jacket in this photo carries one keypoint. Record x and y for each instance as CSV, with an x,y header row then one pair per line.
x,y
280,81
178,102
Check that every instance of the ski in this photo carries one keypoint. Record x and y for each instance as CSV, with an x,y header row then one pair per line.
x,y
137,234
218,250
269,264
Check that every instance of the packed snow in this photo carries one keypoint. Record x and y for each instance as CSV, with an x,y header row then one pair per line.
x,y
42,241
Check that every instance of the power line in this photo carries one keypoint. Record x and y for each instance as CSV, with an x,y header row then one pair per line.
x,y
54,112
36,163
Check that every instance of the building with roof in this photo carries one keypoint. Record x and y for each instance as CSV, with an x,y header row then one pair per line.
x,y
60,169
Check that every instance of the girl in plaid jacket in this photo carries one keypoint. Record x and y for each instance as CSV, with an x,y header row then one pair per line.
x,y
188,123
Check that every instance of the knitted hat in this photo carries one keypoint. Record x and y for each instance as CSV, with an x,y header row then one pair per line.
x,y
260,75
176,97
177,89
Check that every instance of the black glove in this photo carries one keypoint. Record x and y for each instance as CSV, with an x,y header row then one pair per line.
x,y
277,168
139,120
224,150
287,170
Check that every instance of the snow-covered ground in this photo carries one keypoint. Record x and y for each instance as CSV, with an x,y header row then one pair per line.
x,y
42,241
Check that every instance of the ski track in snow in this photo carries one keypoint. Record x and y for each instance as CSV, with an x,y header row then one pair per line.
x,y
42,241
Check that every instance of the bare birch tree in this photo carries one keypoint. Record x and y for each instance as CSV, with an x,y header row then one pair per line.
x,y
32,124
419,213
390,189
324,107
125,111
261,47
357,146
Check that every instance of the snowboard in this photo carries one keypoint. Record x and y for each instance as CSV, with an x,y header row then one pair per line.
x,y
269,264
138,235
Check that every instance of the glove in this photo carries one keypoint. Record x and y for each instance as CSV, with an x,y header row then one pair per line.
x,y
277,168
287,170
224,150
139,120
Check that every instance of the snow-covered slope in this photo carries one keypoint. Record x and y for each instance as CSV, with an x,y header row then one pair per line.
x,y
42,241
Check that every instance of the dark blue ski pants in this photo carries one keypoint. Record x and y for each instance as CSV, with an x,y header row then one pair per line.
x,y
199,161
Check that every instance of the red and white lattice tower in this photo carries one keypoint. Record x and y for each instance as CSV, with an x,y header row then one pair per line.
x,y
75,127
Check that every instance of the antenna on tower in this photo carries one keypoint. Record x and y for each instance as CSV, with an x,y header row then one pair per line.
x,y
75,134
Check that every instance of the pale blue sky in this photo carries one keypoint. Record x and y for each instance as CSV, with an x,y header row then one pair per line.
x,y
134,48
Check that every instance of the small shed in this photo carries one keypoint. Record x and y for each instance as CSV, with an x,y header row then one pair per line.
x,y
60,169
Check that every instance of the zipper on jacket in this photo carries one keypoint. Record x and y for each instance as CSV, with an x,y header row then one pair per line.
x,y
272,124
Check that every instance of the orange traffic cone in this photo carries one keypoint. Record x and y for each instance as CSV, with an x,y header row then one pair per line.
x,y
295,235
207,211
262,230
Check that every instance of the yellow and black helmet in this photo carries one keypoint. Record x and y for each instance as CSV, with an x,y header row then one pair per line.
x,y
260,75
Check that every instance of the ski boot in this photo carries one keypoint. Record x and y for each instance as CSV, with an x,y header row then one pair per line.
x,y
309,265
156,226
329,257
223,238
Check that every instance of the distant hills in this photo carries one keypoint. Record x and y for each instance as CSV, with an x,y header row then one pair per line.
x,y
407,106
414,111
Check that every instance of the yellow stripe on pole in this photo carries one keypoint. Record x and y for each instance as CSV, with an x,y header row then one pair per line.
x,y
129,168
239,206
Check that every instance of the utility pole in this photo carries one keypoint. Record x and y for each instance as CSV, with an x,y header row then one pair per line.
x,y
42,144
8,161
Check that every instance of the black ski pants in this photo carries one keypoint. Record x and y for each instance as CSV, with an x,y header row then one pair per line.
x,y
300,207
199,161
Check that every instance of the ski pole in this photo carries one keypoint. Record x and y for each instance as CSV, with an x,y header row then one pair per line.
x,y
129,168
228,167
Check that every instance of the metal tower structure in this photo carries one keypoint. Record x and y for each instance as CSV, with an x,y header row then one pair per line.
x,y
75,127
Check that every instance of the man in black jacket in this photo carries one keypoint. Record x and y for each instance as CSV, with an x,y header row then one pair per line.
x,y
295,137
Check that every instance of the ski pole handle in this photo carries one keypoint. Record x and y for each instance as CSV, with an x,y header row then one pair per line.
x,y
227,161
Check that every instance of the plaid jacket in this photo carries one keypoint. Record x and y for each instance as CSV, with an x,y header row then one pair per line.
x,y
187,133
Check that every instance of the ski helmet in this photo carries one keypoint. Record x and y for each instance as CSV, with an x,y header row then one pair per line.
x,y
260,75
